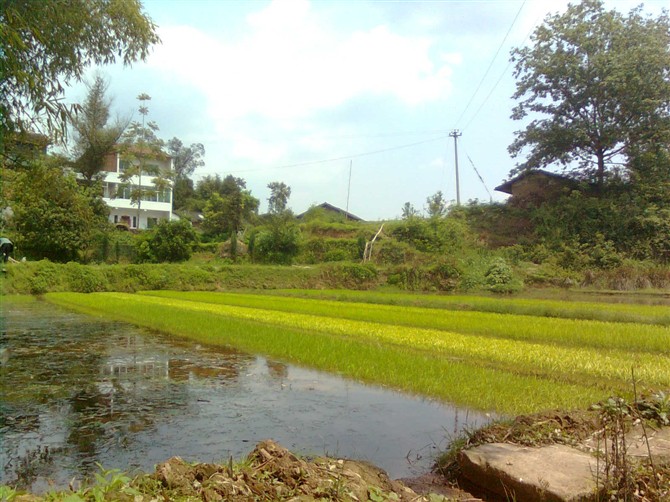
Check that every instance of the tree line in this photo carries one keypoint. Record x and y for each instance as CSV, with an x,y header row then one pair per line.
x,y
592,93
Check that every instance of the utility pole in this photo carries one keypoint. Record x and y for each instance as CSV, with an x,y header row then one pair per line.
x,y
351,163
455,134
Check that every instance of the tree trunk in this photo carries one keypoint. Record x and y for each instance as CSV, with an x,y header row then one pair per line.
x,y
600,173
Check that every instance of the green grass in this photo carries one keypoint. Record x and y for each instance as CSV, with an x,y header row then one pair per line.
x,y
567,332
605,368
599,311
482,372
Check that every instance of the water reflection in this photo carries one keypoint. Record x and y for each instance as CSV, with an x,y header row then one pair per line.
x,y
76,391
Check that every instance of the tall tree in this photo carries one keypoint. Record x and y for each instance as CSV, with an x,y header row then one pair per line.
x,y
93,137
140,146
47,45
437,206
185,160
229,208
594,83
409,212
279,195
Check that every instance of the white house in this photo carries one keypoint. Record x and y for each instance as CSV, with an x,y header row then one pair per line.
x,y
152,208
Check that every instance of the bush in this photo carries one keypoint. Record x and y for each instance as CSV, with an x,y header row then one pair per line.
x,y
46,277
407,277
323,249
443,276
85,279
628,276
169,241
392,252
351,275
279,244
499,278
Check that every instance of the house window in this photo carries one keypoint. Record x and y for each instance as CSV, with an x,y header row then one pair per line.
x,y
150,195
123,165
152,222
116,218
164,195
123,192
134,221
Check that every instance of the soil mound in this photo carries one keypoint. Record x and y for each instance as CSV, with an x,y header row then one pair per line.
x,y
271,472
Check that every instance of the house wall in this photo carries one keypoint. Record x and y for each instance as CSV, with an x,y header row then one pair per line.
x,y
122,210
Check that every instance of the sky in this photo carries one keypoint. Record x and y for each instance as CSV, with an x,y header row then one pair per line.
x,y
349,102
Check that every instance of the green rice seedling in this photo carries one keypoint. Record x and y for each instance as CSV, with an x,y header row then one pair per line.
x,y
607,369
569,332
365,359
600,311
561,363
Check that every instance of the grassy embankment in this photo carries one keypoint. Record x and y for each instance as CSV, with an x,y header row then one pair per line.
x,y
509,364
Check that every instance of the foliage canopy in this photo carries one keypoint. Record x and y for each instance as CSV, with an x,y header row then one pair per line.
x,y
46,45
56,226
93,137
595,85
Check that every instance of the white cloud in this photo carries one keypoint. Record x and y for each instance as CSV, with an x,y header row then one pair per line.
x,y
290,64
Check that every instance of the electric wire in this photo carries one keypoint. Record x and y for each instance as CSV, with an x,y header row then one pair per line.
x,y
480,177
343,157
495,56
442,135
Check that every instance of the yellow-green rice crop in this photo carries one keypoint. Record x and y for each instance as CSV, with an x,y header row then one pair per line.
x,y
366,358
607,369
570,332
617,312
559,363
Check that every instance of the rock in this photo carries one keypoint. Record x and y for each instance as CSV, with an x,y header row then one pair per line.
x,y
659,443
549,473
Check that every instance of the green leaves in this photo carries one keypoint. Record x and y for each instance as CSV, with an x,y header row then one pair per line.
x,y
597,80
52,216
49,44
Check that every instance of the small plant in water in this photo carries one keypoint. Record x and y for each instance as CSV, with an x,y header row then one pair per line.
x,y
110,484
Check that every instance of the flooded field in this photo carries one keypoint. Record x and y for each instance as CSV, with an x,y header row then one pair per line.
x,y
77,390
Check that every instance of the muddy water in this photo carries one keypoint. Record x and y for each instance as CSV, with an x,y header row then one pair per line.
x,y
77,390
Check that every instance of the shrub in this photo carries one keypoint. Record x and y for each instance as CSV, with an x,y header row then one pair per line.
x,y
323,249
169,241
85,279
351,275
499,278
46,276
392,252
278,244
173,241
444,275
406,277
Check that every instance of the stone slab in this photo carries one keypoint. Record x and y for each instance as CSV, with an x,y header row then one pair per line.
x,y
659,443
550,473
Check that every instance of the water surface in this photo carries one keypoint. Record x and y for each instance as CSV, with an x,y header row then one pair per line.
x,y
77,390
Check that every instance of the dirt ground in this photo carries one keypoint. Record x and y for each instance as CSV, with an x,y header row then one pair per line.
x,y
271,472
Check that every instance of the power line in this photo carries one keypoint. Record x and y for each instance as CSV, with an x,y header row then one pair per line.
x,y
467,106
480,177
455,134
344,157
495,86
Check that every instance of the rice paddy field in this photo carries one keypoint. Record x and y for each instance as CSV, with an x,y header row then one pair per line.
x,y
507,356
